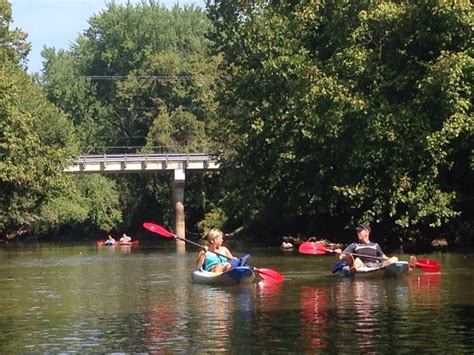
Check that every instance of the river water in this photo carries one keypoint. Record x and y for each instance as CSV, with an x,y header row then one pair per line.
x,y
83,298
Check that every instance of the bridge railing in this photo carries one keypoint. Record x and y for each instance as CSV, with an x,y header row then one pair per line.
x,y
142,162
130,149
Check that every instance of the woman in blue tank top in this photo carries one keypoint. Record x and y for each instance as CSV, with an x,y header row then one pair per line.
x,y
208,260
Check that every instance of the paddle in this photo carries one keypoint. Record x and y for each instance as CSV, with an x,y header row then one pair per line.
x,y
313,248
265,274
428,265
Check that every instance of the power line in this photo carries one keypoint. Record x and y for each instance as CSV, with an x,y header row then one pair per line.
x,y
128,77
135,108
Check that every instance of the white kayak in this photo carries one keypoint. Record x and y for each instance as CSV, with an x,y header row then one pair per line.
x,y
235,276
395,269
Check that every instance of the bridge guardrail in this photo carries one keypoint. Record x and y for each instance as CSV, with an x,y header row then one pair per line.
x,y
142,162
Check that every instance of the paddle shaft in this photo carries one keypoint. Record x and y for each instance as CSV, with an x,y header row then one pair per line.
x,y
361,255
200,246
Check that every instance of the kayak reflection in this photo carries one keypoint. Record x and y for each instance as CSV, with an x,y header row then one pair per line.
x,y
213,315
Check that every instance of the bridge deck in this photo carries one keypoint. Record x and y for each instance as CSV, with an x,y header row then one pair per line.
x,y
115,163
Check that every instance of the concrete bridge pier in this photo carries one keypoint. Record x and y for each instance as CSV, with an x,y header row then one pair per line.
x,y
177,187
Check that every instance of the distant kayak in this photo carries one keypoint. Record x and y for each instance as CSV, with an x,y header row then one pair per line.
x,y
104,243
395,269
235,276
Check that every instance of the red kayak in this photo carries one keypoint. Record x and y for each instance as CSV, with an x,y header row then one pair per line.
x,y
104,243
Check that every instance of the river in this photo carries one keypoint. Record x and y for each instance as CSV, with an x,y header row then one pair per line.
x,y
82,298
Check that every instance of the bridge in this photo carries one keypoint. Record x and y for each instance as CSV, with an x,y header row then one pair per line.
x,y
178,163
138,163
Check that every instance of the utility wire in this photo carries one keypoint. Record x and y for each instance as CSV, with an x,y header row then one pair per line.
x,y
127,77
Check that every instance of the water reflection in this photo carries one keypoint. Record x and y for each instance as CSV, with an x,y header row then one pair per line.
x,y
161,328
269,295
365,308
79,299
214,308
314,316
117,249
268,304
425,290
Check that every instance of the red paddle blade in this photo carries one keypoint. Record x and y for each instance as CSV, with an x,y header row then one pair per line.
x,y
156,228
312,248
269,275
428,265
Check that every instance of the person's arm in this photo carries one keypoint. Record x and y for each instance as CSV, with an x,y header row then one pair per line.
x,y
201,257
341,254
380,252
228,254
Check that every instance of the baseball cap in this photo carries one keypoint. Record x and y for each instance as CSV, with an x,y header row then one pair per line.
x,y
363,226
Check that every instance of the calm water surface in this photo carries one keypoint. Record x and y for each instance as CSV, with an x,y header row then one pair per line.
x,y
83,298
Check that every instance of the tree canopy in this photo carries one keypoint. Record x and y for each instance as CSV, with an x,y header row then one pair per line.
x,y
352,109
322,113
140,78
37,141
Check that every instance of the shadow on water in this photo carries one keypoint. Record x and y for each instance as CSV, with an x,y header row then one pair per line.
x,y
77,298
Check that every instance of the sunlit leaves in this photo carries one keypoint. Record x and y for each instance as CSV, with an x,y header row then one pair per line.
x,y
347,108
36,142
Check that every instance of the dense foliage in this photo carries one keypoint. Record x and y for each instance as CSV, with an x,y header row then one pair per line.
x,y
324,113
36,142
141,78
361,110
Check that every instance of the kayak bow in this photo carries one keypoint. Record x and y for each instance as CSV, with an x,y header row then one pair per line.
x,y
234,276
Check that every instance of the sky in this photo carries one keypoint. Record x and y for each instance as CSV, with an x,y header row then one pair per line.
x,y
57,23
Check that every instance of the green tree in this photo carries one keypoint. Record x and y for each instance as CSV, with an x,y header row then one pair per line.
x,y
140,76
13,45
145,61
36,141
333,103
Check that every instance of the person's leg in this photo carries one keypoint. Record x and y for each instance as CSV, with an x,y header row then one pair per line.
x,y
218,268
390,261
412,262
357,264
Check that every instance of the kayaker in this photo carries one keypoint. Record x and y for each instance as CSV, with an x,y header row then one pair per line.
x,y
125,238
208,260
110,240
364,247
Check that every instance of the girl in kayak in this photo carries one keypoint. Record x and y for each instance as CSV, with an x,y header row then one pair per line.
x,y
110,240
208,260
